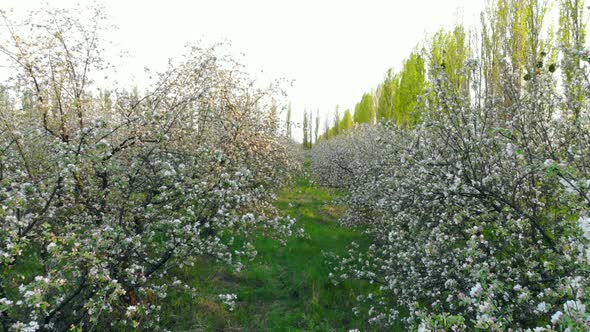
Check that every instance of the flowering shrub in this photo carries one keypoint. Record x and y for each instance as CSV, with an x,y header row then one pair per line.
x,y
479,215
229,300
101,196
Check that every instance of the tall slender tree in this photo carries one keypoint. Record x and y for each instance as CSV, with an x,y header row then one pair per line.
x,y
326,127
412,84
305,130
317,125
388,87
336,128
310,130
289,123
572,36
273,119
346,123
448,53
364,111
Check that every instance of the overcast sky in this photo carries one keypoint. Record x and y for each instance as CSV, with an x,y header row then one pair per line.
x,y
333,50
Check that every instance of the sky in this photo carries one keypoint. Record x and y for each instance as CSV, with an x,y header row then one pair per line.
x,y
334,51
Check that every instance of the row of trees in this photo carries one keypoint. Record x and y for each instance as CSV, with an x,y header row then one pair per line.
x,y
309,126
503,36
103,195
478,199
309,130
395,99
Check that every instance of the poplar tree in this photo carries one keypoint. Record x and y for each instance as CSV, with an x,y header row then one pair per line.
x,y
346,123
411,85
326,127
310,129
388,87
273,119
289,123
317,125
448,53
364,111
512,48
336,128
305,129
572,36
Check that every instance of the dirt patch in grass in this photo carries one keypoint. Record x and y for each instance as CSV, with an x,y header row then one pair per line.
x,y
331,213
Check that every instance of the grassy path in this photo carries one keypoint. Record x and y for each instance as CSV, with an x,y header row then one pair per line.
x,y
286,288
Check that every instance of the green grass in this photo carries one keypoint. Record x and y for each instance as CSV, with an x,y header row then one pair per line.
x,y
286,288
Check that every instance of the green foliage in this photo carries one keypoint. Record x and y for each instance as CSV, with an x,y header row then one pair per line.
x,y
335,130
395,99
412,85
364,111
572,36
346,122
513,47
448,53
388,87
326,133
572,26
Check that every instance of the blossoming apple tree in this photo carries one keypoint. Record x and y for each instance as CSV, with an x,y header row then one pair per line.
x,y
104,192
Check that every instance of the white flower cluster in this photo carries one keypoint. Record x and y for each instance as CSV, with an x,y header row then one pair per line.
x,y
229,300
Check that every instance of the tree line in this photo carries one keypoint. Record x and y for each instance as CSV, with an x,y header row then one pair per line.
x,y
503,42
